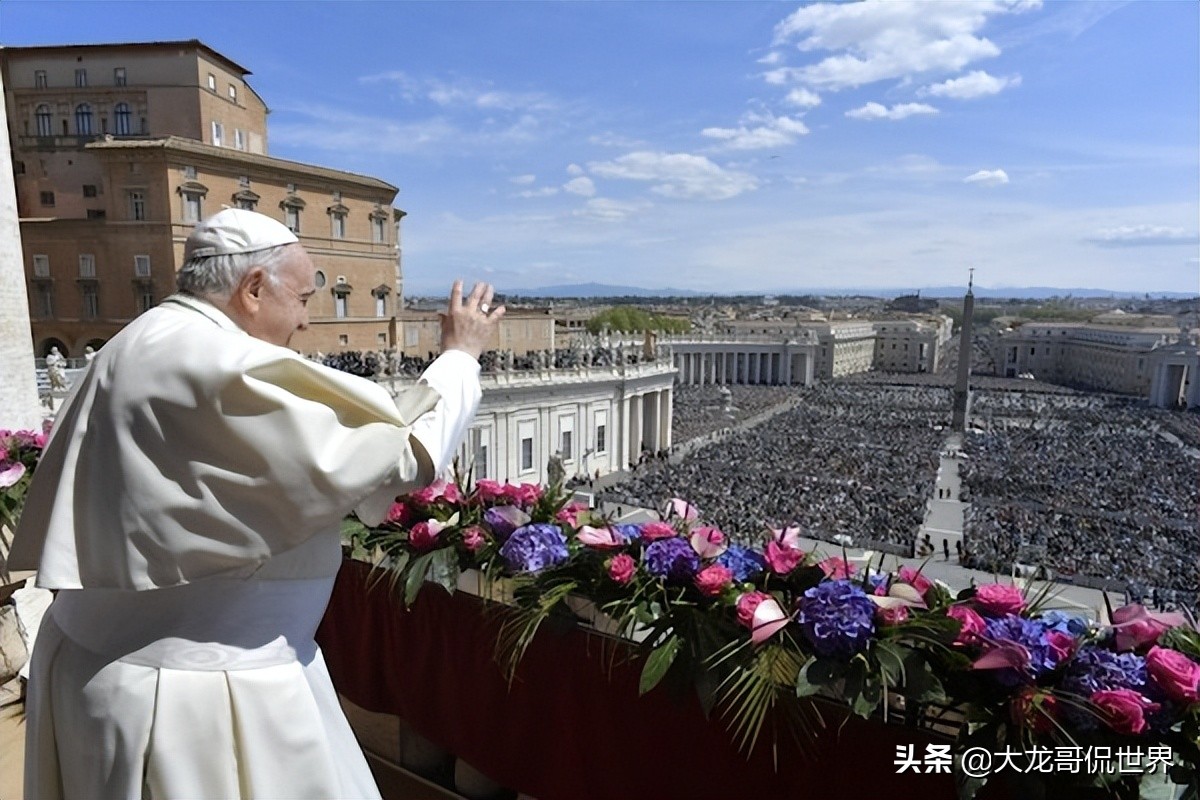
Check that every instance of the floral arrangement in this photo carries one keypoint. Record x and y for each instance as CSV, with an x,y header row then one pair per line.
x,y
20,452
761,629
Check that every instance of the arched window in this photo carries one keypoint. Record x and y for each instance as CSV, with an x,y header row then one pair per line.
x,y
83,119
122,118
44,121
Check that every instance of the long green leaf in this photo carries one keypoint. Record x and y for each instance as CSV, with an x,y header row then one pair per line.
x,y
416,577
658,663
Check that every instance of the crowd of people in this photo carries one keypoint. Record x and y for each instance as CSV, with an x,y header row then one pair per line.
x,y
392,363
843,461
702,410
1085,485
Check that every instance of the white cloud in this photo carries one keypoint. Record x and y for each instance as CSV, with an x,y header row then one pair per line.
x,y
974,84
522,180
773,132
609,139
545,191
1141,235
875,40
574,169
608,210
802,98
874,111
677,175
987,177
581,186
461,93
772,58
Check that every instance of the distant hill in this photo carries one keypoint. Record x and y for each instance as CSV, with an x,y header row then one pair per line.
x,y
1016,292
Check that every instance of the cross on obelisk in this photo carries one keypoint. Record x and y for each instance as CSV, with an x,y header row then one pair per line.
x,y
18,389
962,386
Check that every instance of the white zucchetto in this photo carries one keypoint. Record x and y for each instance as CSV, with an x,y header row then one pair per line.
x,y
236,230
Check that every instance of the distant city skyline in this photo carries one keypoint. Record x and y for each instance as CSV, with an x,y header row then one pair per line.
x,y
728,147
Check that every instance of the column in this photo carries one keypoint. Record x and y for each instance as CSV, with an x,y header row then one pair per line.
x,y
664,398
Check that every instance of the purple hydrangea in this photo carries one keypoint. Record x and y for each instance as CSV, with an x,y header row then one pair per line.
x,y
1094,668
629,532
1065,623
743,562
837,618
533,548
1030,634
672,559
503,520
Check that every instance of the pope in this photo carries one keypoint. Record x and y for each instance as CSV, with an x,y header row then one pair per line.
x,y
187,511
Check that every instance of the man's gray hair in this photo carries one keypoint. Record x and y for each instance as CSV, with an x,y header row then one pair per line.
x,y
218,276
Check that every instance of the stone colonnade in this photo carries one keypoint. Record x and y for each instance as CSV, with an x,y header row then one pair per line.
x,y
743,363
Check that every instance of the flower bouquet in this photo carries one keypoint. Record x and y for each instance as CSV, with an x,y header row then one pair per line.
x,y
19,455
760,628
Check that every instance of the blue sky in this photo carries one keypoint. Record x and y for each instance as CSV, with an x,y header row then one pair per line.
x,y
732,146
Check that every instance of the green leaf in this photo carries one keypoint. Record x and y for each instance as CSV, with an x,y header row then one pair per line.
x,y
891,662
825,671
443,569
416,577
804,685
658,663
921,685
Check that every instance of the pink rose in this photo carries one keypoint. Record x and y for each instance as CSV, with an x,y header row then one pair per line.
x,y
997,599
621,568
973,626
398,514
525,495
1176,674
892,616
601,538
423,535
488,491
652,531
915,579
781,559
769,619
1061,645
746,604
712,580
708,542
1123,709
835,568
569,514
1136,627
474,538
438,490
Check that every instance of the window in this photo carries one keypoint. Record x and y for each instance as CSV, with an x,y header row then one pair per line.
x,y
39,79
526,454
122,118
319,279
41,266
239,139
378,232
218,133
83,119
141,266
565,448
411,336
91,302
145,298
343,338
337,225
46,299
212,82
192,210
291,218
44,121
96,213
137,205
118,76
233,93
87,266
381,305
81,78
339,306
478,445
47,198
189,173
601,440
381,338
89,190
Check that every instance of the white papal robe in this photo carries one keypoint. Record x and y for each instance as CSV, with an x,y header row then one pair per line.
x,y
187,507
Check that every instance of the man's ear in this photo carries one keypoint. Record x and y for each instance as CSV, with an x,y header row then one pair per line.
x,y
248,294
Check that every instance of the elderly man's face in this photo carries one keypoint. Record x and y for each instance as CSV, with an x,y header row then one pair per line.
x,y
281,310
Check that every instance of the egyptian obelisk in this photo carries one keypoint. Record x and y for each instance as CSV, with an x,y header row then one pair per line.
x,y
962,386
18,390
